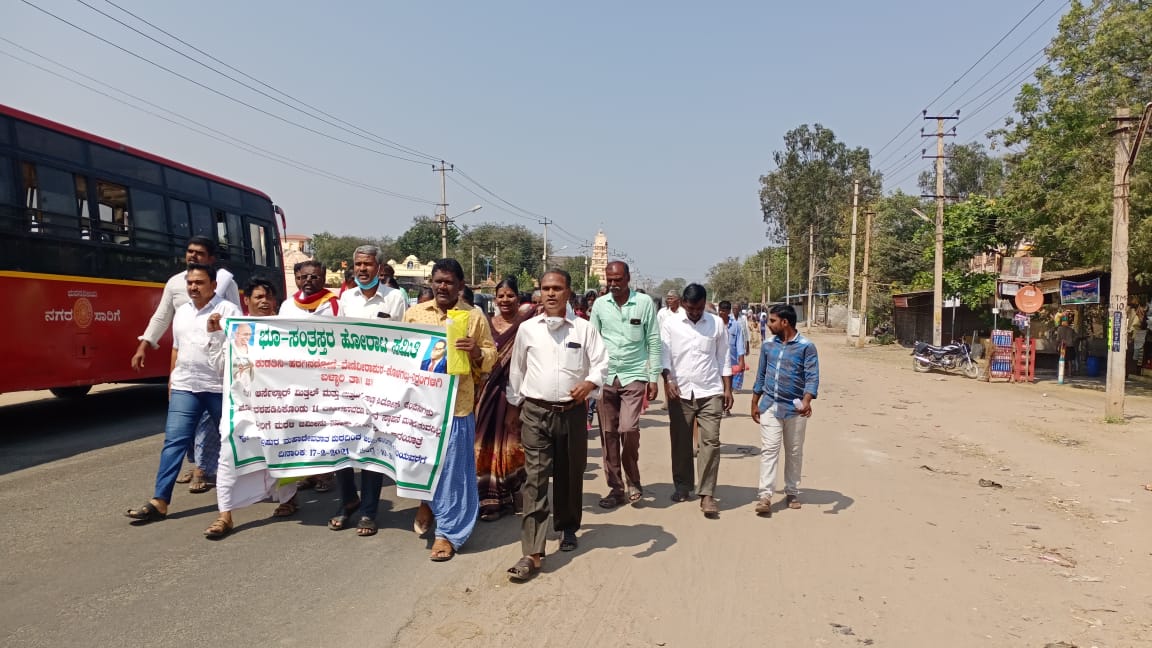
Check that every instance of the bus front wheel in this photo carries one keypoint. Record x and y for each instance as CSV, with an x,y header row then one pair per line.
x,y
71,393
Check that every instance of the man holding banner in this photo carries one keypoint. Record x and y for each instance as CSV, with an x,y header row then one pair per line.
x,y
236,491
558,361
455,502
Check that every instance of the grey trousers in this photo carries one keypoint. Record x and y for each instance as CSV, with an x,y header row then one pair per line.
x,y
555,445
707,412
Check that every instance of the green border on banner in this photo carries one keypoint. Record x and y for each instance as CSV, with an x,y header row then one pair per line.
x,y
445,427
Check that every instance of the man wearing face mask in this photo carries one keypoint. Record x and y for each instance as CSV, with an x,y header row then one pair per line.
x,y
370,299
557,362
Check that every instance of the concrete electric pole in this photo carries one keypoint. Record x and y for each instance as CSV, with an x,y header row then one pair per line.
x,y
1127,149
864,280
938,270
852,246
442,218
544,267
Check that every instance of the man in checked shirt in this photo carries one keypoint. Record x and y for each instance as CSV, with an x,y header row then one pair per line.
x,y
787,381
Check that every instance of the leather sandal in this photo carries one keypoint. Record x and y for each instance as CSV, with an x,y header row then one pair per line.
x,y
523,570
219,529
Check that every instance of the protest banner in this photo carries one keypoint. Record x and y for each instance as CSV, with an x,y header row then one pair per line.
x,y
308,396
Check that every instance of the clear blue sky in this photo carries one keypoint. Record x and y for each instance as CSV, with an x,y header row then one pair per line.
x,y
652,120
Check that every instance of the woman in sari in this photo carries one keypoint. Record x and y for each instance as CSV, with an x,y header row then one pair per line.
x,y
499,457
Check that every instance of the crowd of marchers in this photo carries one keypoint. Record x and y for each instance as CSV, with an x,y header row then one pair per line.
x,y
545,367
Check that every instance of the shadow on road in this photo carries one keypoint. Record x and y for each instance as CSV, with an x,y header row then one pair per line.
x,y
42,431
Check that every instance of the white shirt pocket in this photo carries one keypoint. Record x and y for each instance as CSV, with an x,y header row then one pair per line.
x,y
572,358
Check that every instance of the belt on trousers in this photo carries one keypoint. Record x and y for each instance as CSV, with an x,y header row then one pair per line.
x,y
562,406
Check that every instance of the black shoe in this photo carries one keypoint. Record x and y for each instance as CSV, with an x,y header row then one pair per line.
x,y
568,542
680,496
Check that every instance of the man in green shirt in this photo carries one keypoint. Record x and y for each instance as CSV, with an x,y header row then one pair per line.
x,y
627,323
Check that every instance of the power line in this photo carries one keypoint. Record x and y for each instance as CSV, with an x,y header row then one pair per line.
x,y
961,77
204,130
989,51
1012,51
358,131
219,92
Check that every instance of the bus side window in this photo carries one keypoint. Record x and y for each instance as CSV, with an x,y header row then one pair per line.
x,y
50,196
9,221
202,221
178,214
257,242
112,206
229,235
149,225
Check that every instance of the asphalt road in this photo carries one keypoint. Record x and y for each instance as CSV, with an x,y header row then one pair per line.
x,y
75,572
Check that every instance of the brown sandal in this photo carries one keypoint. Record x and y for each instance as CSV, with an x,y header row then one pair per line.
x,y
523,570
186,476
219,529
286,508
201,483
793,501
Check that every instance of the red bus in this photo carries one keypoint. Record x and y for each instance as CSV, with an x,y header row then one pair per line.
x,y
90,229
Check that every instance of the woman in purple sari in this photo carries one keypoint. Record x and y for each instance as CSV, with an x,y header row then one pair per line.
x,y
499,457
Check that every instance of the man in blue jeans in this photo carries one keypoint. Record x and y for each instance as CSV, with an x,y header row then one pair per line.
x,y
194,386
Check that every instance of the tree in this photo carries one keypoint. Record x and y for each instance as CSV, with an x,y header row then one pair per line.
x,y
726,280
513,249
331,249
811,187
970,170
676,285
899,239
1062,180
974,227
423,239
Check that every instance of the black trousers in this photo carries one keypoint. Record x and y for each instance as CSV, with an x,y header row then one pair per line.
x,y
555,445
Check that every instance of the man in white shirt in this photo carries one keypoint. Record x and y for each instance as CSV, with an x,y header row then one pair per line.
x,y
311,297
205,451
671,307
237,491
371,299
698,381
195,385
557,362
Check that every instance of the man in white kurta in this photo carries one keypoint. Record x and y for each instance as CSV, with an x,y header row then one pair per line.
x,y
235,491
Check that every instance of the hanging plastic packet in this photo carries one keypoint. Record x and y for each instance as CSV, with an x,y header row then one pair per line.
x,y
457,324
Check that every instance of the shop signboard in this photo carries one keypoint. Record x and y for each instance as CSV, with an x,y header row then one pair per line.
x,y
1022,269
1080,292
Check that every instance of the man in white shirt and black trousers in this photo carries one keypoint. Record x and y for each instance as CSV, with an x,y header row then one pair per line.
x,y
557,362
698,381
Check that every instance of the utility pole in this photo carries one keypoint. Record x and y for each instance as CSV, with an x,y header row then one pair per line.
x,y
587,262
811,274
496,262
852,246
763,280
938,270
442,218
545,223
1118,299
473,265
788,271
864,280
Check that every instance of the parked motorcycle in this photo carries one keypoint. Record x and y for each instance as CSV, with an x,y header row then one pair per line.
x,y
953,357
